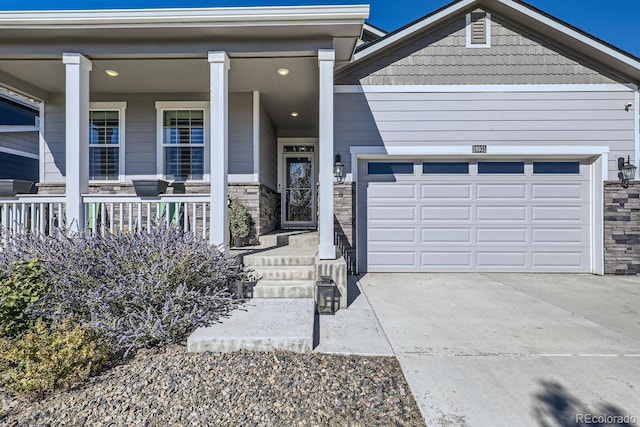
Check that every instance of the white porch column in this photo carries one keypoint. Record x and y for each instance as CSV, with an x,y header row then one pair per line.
x,y
219,142
326,59
77,68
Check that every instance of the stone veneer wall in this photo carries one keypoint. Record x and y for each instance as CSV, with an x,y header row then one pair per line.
x,y
262,203
344,222
621,228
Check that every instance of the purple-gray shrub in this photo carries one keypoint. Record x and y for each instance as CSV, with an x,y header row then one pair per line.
x,y
136,289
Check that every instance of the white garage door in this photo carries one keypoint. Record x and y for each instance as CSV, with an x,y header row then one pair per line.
x,y
474,216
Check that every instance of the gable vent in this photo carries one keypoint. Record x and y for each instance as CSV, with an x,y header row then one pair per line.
x,y
478,29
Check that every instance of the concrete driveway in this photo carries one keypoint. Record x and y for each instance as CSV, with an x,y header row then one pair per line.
x,y
514,349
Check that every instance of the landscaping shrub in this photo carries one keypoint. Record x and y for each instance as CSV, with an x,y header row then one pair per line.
x,y
48,358
136,289
21,287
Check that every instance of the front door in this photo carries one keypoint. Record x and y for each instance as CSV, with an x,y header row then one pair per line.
x,y
299,198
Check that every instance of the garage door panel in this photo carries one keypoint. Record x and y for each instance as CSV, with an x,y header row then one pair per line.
x,y
509,259
546,259
559,235
391,191
501,235
439,259
391,213
391,259
446,213
392,235
476,222
555,191
443,235
446,191
501,191
563,213
501,213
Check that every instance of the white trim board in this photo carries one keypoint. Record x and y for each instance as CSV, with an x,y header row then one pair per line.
x,y
612,87
16,129
256,134
19,153
367,151
636,121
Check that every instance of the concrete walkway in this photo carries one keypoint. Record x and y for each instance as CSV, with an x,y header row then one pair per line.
x,y
514,349
354,330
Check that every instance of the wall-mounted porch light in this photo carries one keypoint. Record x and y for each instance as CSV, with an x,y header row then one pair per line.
x,y
627,171
338,170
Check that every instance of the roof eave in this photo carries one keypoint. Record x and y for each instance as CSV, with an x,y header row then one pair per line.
x,y
123,18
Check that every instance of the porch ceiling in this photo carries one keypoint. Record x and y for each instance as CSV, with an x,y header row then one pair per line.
x,y
298,91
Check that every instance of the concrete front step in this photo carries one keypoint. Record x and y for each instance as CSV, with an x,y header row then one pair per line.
x,y
283,272
284,289
289,237
278,260
260,325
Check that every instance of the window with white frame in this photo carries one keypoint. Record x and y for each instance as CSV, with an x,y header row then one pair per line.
x,y
106,141
182,141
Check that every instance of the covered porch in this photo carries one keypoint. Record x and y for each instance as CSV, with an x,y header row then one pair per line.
x,y
219,102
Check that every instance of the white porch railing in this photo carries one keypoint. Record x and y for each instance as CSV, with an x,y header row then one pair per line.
x,y
106,213
114,213
41,214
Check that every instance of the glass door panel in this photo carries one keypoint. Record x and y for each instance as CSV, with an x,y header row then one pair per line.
x,y
299,191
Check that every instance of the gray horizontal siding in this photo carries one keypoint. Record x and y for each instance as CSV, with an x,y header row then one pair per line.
x,y
514,118
21,141
268,151
516,56
141,125
54,152
241,133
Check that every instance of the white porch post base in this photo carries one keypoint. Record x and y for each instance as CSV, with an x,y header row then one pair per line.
x,y
77,68
219,65
326,59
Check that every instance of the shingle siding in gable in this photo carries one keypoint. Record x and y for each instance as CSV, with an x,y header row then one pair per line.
x,y
441,57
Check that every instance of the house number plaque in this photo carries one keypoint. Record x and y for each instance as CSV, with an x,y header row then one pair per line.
x,y
478,148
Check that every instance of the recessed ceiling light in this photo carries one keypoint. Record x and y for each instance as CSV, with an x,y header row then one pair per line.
x,y
294,114
283,71
112,73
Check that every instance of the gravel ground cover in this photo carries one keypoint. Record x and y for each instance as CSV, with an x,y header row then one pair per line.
x,y
170,387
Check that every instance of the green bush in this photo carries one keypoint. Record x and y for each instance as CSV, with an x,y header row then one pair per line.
x,y
49,358
239,220
21,288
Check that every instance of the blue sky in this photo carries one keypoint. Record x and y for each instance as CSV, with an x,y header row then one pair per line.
x,y
615,21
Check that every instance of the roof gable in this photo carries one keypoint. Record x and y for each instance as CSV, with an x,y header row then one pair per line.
x,y
560,33
443,56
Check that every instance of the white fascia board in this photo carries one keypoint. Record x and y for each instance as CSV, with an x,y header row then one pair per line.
x,y
134,18
571,33
373,30
411,29
16,129
605,87
19,153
